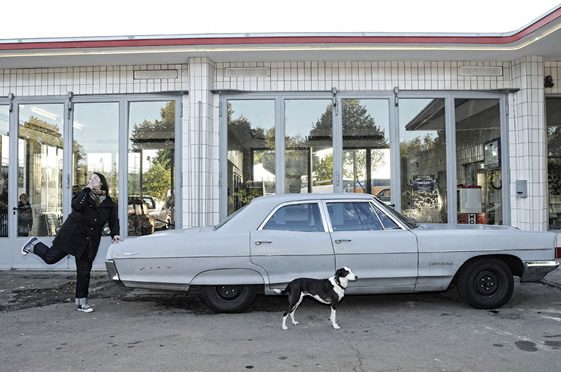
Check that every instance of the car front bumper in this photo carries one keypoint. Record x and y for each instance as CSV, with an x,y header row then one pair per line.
x,y
534,271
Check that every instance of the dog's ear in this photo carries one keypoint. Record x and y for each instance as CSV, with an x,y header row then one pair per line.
x,y
342,272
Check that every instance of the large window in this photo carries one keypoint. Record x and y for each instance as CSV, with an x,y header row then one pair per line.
x,y
553,117
251,151
151,167
309,146
422,144
478,161
366,147
40,168
4,163
396,149
95,145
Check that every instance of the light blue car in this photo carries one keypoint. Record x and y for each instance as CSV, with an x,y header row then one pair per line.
x,y
276,239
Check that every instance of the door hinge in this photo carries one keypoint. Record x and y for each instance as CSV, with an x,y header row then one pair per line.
x,y
70,104
334,101
11,97
395,97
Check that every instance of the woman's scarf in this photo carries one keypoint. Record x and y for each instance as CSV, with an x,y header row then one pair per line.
x,y
98,196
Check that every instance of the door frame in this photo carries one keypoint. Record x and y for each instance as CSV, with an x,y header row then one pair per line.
x,y
11,244
15,242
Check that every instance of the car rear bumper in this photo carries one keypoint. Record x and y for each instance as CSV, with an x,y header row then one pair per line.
x,y
534,271
112,271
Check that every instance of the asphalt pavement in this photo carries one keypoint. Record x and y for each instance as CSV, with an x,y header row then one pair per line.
x,y
42,331
20,289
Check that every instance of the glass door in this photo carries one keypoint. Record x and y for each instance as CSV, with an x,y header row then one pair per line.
x,y
38,199
95,148
5,248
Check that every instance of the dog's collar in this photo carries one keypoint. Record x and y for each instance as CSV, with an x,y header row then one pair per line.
x,y
338,282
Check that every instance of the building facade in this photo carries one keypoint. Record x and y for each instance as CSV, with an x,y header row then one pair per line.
x,y
447,128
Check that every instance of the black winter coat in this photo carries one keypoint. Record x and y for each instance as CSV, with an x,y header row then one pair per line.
x,y
81,232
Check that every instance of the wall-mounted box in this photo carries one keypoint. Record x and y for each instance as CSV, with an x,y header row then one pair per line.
x,y
521,188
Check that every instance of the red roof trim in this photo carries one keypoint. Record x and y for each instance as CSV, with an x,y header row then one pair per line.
x,y
285,40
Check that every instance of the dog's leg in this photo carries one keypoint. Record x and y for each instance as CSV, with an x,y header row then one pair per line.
x,y
333,318
284,327
294,310
292,306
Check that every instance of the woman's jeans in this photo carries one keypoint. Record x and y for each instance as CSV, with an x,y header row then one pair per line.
x,y
83,266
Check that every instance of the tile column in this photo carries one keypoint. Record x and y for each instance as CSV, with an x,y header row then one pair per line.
x,y
527,136
200,174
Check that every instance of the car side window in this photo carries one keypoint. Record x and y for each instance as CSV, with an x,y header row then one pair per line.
x,y
388,223
353,216
296,217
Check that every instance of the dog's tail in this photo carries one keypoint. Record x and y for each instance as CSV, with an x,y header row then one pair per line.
x,y
280,291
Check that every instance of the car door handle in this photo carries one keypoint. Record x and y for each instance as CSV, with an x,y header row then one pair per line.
x,y
259,242
339,241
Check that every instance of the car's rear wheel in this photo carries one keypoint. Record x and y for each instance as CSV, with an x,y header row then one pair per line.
x,y
485,283
229,298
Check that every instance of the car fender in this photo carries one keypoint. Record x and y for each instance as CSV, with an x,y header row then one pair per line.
x,y
228,277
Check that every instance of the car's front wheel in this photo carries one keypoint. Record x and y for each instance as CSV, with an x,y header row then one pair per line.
x,y
229,298
485,283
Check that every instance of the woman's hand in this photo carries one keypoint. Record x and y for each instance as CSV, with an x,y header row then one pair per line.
x,y
94,183
116,239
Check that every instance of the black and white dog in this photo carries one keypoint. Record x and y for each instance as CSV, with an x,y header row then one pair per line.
x,y
328,291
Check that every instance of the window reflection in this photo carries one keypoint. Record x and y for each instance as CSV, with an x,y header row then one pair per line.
x,y
422,139
478,161
151,167
553,117
4,163
95,146
251,151
309,146
40,154
366,147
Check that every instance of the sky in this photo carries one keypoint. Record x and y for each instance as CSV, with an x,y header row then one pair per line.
x,y
64,18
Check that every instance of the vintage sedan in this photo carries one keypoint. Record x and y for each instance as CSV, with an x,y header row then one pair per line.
x,y
275,239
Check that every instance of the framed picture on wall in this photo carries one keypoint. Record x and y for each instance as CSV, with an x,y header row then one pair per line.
x,y
492,153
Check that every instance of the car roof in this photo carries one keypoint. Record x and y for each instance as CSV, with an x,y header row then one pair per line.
x,y
261,206
298,197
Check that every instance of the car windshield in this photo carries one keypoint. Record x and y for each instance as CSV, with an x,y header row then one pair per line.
x,y
407,221
228,218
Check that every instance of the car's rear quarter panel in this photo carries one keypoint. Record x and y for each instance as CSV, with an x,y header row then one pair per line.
x,y
175,259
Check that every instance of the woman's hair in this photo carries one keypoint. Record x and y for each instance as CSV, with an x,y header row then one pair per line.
x,y
104,184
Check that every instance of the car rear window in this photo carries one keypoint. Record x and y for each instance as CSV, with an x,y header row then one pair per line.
x,y
296,217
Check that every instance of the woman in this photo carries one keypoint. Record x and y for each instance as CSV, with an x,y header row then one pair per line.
x,y
80,234
25,215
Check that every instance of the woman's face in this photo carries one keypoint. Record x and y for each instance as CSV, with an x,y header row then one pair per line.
x,y
95,181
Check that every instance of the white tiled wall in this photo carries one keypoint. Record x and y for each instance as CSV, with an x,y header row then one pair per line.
x,y
323,75
200,125
528,144
89,80
201,142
